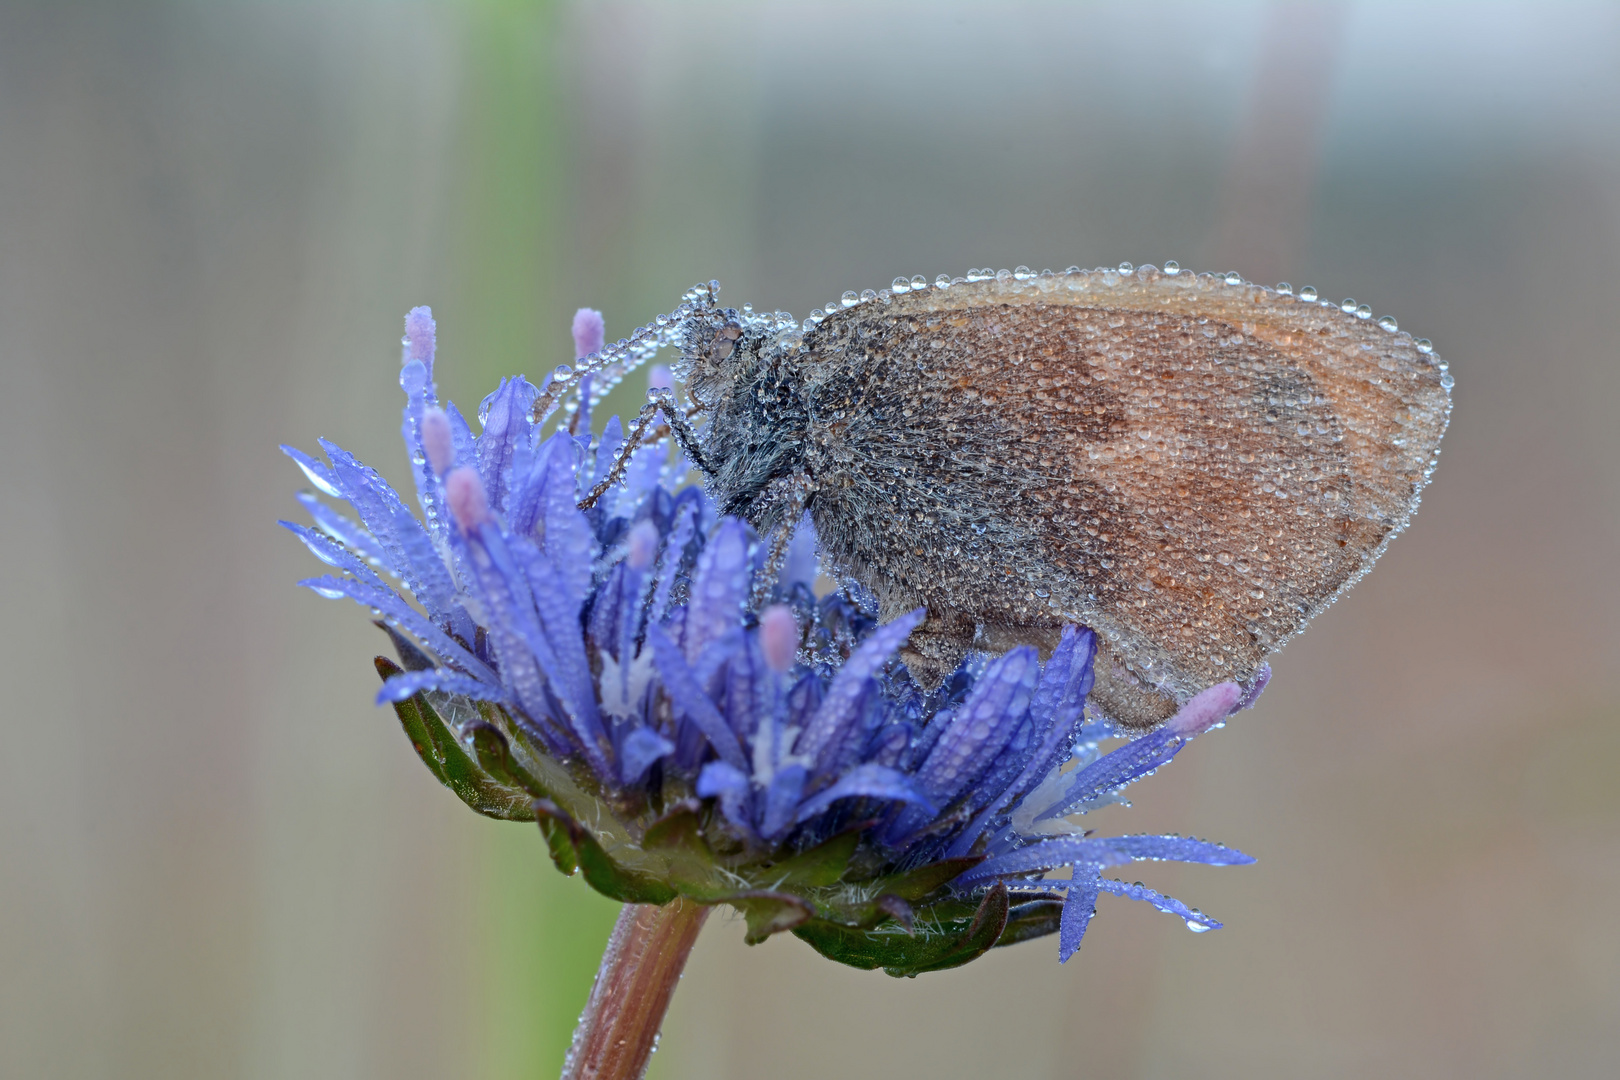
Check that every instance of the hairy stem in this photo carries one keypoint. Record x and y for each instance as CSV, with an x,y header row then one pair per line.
x,y
640,967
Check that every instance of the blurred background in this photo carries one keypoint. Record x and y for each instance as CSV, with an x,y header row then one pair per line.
x,y
217,859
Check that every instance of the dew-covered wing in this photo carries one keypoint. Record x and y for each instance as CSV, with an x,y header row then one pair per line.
x,y
1193,467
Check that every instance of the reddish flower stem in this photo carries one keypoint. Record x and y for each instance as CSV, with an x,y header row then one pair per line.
x,y
640,967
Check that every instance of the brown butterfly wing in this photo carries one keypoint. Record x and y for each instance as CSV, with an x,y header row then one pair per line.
x,y
1194,469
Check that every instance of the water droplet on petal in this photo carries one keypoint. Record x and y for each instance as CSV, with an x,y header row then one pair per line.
x,y
868,294
1285,289
1172,267
850,298
900,285
1387,323
919,282
1424,345
1004,275
1308,294
1126,268
1348,305
1364,311
943,281
1023,273
1234,278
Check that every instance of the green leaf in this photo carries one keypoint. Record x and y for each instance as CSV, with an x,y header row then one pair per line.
x,y
602,874
770,913
943,936
554,827
1031,919
445,757
981,936
678,837
913,885
824,864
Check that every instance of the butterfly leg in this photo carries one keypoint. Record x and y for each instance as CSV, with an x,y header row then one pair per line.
x,y
779,511
684,436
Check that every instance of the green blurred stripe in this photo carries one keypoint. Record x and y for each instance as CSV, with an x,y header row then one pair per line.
x,y
543,933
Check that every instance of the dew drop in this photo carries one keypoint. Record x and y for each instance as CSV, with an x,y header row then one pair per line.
x,y
1072,270
1284,289
562,373
1004,275
1126,268
1387,323
919,282
1307,294
1172,267
868,294
1198,927
1424,345
1234,278
1023,273
1364,311
900,285
943,281
1348,305
1447,381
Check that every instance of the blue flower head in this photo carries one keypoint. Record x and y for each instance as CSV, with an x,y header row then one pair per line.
x,y
684,719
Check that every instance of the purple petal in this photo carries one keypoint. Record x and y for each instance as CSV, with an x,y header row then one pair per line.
x,y
410,553
669,569
1076,851
1113,771
412,683
505,416
638,751
690,701
389,603
334,554
340,528
533,626
730,785
719,587
1179,849
316,472
838,709
1167,904
568,540
981,727
782,797
1079,905
1059,702
607,448
866,781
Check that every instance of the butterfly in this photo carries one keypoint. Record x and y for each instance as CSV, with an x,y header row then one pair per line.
x,y
1192,465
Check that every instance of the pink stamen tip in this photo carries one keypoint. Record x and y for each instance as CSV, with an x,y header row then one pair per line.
x,y
468,502
420,334
660,378
1206,709
643,545
779,636
437,442
589,332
